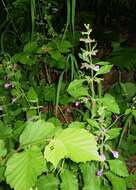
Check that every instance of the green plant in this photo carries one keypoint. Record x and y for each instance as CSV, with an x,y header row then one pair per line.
x,y
123,57
39,152
99,118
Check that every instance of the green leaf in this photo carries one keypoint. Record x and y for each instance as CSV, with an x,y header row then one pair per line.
x,y
90,180
31,114
49,93
49,182
128,111
104,69
56,55
64,46
5,132
3,149
75,143
55,151
22,169
32,95
80,144
76,89
31,47
110,103
129,89
55,121
118,167
93,123
113,133
118,183
36,132
23,58
134,112
2,171
103,63
130,181
69,180
77,124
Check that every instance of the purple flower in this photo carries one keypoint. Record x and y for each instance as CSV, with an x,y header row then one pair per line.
x,y
115,153
8,85
102,157
100,172
97,67
77,104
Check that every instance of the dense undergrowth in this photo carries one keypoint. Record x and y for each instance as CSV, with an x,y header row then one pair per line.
x,y
62,127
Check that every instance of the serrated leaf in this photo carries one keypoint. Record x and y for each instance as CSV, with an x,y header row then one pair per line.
x,y
56,55
49,182
93,123
55,151
130,181
3,149
77,144
30,47
22,169
64,46
104,69
110,103
76,89
118,183
50,93
32,95
23,58
118,167
113,133
69,180
90,180
36,132
5,132
129,89
80,144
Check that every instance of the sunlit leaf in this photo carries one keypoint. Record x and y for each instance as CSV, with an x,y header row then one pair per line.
x,y
22,169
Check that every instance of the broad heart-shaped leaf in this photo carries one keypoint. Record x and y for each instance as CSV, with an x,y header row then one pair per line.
x,y
36,132
90,180
80,144
69,180
76,88
118,183
118,167
22,169
104,69
49,182
110,103
75,143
